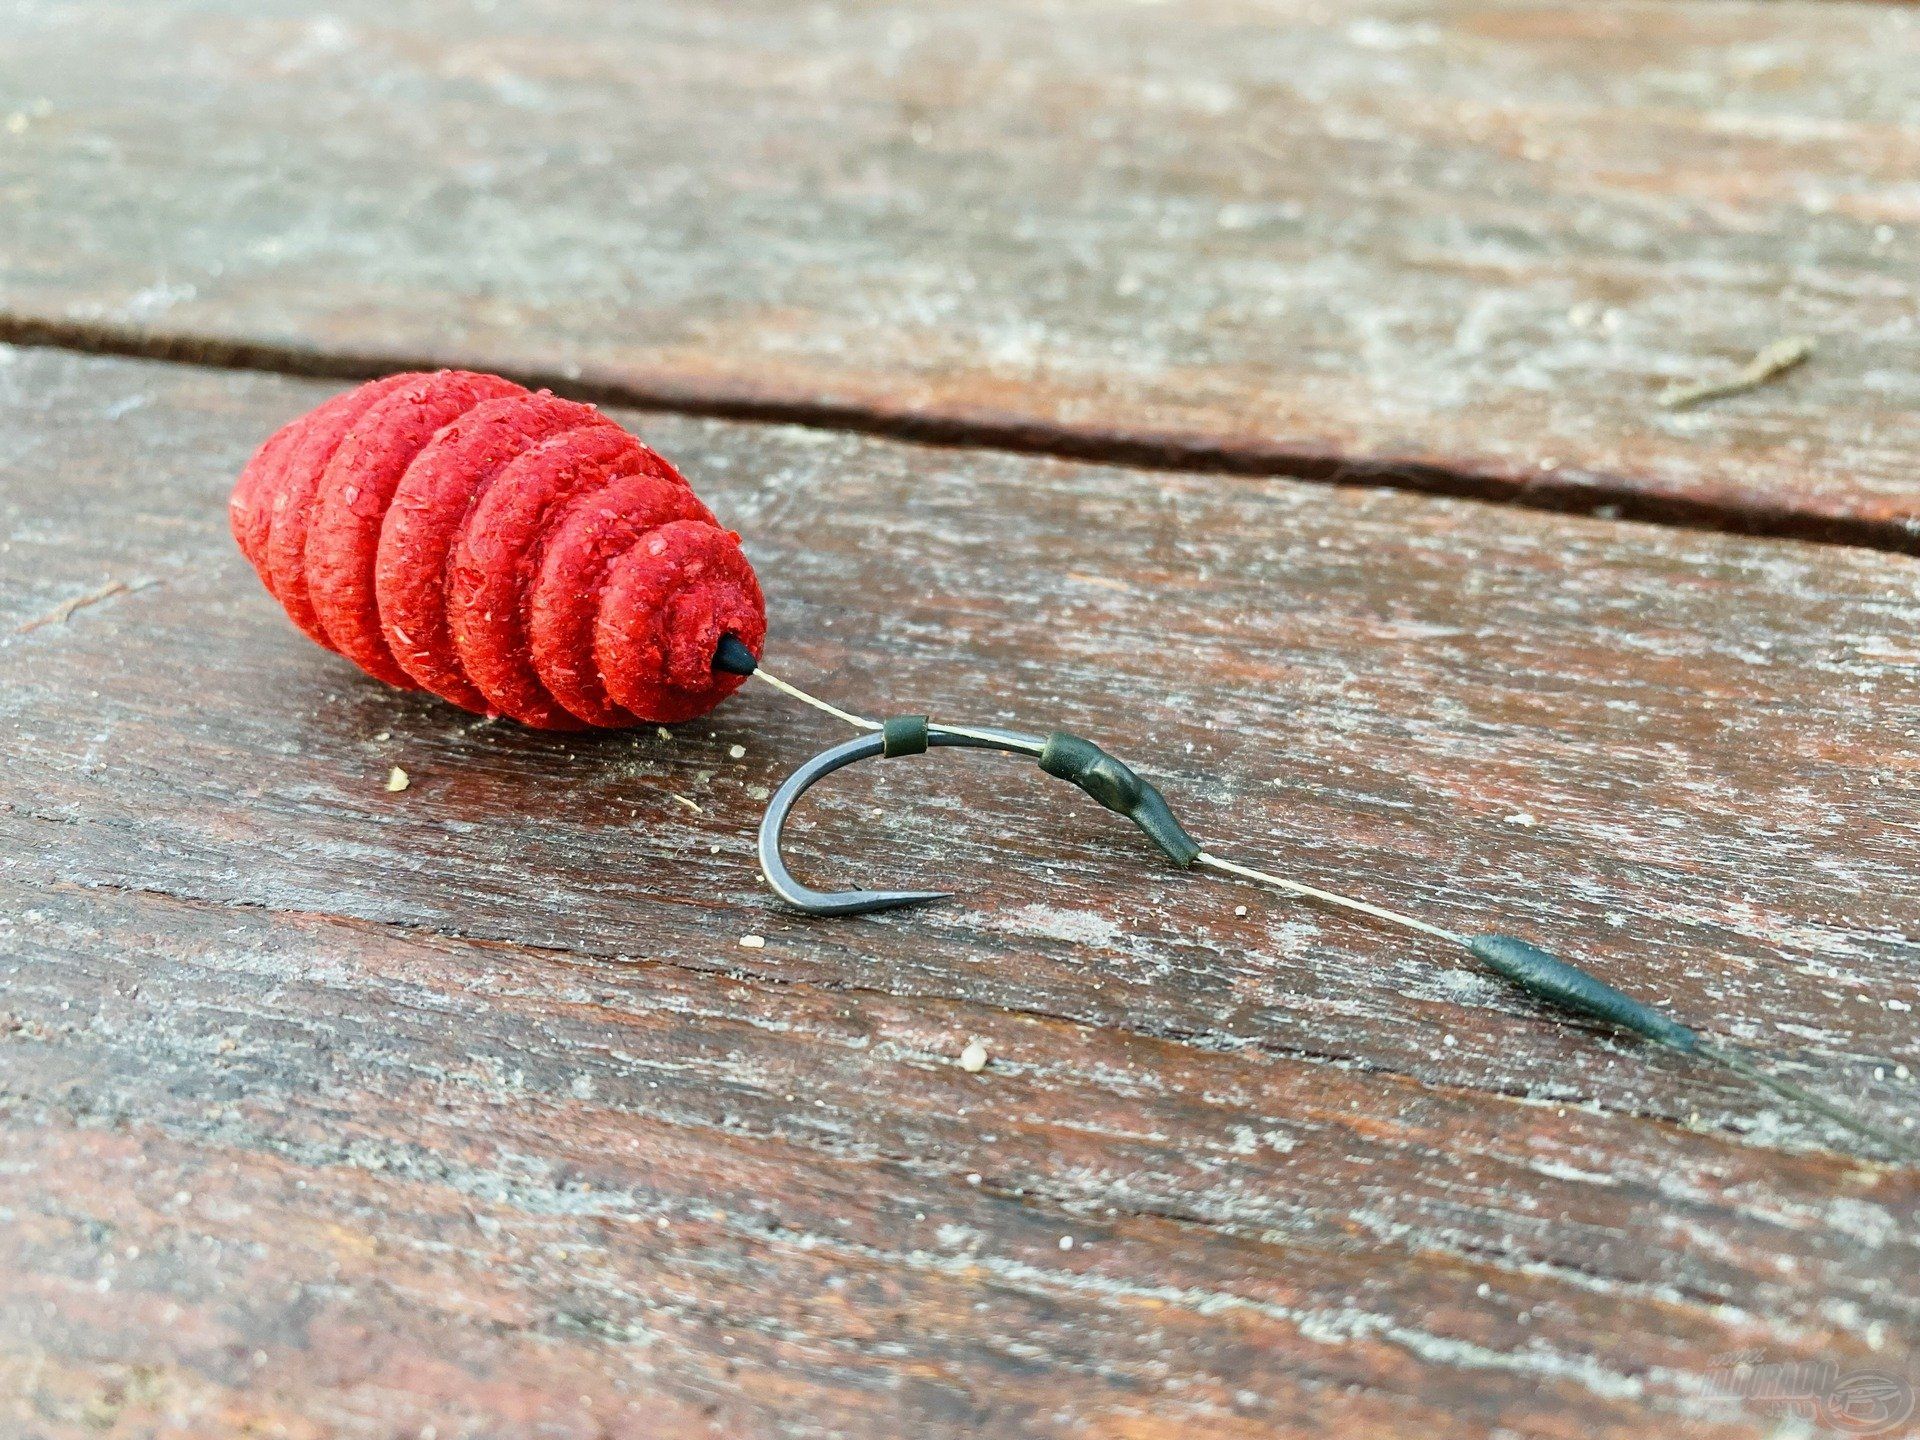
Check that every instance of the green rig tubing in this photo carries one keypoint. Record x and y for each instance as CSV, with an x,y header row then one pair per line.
x,y
1115,785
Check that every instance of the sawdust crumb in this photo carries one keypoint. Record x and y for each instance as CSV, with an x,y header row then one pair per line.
x,y
753,942
397,780
973,1059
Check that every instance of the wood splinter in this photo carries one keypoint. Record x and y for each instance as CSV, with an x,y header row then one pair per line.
x,y
1775,360
66,609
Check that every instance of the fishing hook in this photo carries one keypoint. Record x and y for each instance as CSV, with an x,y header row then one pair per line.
x,y
1068,757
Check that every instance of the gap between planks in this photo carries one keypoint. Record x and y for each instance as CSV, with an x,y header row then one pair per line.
x,y
1574,493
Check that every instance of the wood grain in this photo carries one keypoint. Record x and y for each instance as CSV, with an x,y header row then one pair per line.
x,y
1452,244
332,1108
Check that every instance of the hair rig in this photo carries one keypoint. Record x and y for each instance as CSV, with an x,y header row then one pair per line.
x,y
522,555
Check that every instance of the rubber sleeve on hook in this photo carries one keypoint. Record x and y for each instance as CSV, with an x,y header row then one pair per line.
x,y
904,735
1114,785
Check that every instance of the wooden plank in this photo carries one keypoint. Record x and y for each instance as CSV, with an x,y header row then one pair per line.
x,y
427,1176
443,1061
1455,244
1705,743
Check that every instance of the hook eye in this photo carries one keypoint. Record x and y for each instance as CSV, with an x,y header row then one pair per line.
x,y
852,752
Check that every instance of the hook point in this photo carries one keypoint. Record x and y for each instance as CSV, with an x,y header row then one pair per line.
x,y
858,902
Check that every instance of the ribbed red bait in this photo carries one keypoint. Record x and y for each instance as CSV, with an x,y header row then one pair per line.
x,y
512,552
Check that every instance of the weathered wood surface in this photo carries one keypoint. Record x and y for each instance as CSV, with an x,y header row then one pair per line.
x,y
330,1110
1460,244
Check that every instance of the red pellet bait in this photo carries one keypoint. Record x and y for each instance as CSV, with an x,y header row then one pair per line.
x,y
512,552
522,555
